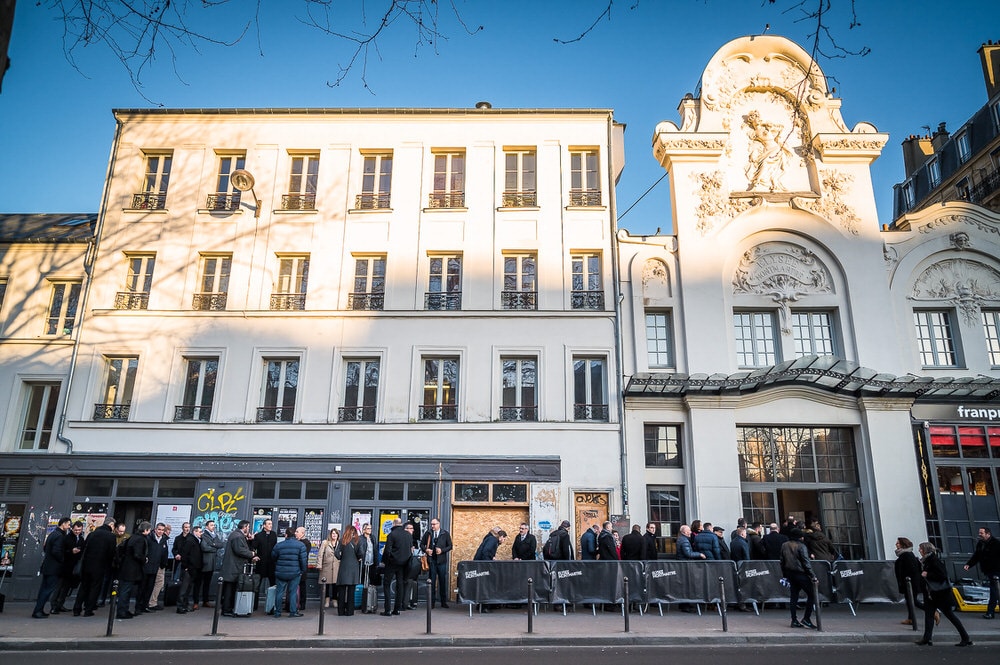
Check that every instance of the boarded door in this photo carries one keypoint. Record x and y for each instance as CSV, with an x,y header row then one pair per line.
x,y
590,508
471,524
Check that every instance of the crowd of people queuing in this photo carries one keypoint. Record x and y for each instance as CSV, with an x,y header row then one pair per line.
x,y
145,565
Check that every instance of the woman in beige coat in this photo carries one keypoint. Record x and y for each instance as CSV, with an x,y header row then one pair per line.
x,y
329,566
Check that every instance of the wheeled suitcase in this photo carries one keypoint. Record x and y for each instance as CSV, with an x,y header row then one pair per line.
x,y
272,595
365,595
171,591
244,604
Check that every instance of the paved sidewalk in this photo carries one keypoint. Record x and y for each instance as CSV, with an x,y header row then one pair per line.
x,y
167,630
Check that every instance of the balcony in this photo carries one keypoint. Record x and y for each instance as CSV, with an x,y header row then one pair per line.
x,y
131,300
519,300
149,201
287,302
366,301
585,197
587,300
191,413
989,184
117,412
446,200
357,414
372,201
275,414
298,201
518,414
443,301
223,202
520,200
437,412
209,302
595,412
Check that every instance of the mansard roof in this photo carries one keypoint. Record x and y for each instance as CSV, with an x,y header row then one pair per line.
x,y
47,227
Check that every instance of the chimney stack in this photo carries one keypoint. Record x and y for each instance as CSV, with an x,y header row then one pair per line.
x,y
916,150
989,54
939,138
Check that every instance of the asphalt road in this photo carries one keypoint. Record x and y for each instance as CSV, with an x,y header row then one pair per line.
x,y
942,652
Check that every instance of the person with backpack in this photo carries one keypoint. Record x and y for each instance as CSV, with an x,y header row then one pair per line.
x,y
557,547
797,569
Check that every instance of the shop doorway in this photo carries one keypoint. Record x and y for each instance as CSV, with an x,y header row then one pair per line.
x,y
589,508
133,513
838,513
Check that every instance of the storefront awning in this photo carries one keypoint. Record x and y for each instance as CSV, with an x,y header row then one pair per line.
x,y
827,373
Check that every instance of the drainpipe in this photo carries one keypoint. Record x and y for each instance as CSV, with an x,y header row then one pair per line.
x,y
88,266
616,323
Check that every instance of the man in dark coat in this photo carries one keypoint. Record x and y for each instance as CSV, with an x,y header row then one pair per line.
x,y
238,554
436,544
739,547
395,557
492,541
773,541
73,545
524,545
758,551
720,533
52,560
607,549
649,551
191,563
97,557
157,559
130,573
633,545
211,546
263,546
563,550
588,543
987,555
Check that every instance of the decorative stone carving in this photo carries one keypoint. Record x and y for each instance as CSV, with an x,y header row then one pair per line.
x,y
715,206
693,144
889,254
767,155
832,204
783,271
655,280
966,284
947,220
960,240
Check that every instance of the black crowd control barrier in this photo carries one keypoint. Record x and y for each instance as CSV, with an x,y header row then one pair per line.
x,y
689,581
760,581
594,581
503,581
866,582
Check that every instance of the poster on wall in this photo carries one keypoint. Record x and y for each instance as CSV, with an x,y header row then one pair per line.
x,y
8,538
313,522
261,515
288,518
174,515
359,520
385,525
91,514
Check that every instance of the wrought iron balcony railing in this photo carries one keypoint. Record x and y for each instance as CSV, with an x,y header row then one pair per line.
x,y
587,300
209,302
985,187
298,201
372,201
275,414
223,201
149,201
513,414
357,414
443,301
447,200
191,413
131,300
111,411
596,412
519,299
520,199
370,301
585,197
438,412
288,301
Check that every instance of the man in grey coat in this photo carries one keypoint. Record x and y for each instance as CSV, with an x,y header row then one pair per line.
x,y
238,554
211,544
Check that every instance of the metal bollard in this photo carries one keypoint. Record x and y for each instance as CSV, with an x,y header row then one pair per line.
x,y
819,614
218,608
322,604
910,604
625,582
430,601
723,606
531,603
112,608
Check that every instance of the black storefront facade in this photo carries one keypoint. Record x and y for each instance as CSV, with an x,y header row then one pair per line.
x,y
316,492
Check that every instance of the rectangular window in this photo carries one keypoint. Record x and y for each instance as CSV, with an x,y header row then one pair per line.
x,y
39,416
659,340
63,308
138,280
964,148
155,181
666,510
935,339
963,190
199,390
796,455
755,334
663,446
520,285
519,179
281,380
225,196
290,288
588,288
302,183
585,188
369,283
934,172
449,180
213,282
444,287
376,182
991,326
519,398
440,389
119,382
813,334
590,389
908,194
995,116
360,390
3,291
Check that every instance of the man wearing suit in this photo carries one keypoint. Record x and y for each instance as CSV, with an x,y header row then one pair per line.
x,y
97,557
607,550
153,572
436,544
54,553
263,544
211,543
524,546
238,554
395,556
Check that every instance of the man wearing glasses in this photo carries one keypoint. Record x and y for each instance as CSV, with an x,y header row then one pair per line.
x,y
524,546
436,544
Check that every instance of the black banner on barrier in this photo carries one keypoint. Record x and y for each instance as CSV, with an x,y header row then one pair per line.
x,y
866,582
593,581
689,581
503,581
761,581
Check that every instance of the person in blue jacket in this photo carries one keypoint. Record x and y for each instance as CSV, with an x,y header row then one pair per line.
x,y
290,559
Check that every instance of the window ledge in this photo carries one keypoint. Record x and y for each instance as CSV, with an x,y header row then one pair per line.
x,y
367,211
219,213
446,209
306,211
147,211
594,208
517,208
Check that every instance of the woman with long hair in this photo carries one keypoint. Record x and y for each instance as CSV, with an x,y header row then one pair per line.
x,y
329,567
908,565
349,575
937,596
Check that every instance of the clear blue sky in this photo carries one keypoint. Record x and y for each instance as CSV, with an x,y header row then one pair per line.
x,y
56,125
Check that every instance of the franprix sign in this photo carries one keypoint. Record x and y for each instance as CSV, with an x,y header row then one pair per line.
x,y
988,412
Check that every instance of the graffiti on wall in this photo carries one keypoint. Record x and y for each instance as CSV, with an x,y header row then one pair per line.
x,y
220,505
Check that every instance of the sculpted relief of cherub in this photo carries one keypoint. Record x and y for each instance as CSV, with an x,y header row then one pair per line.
x,y
768,154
